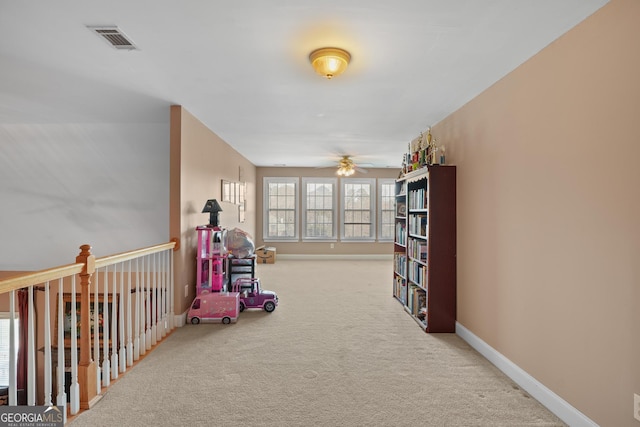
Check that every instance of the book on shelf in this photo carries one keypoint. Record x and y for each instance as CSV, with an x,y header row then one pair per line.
x,y
418,224
400,264
401,233
416,299
400,289
417,273
423,225
418,198
417,249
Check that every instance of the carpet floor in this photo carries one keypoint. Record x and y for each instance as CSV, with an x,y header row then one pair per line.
x,y
339,350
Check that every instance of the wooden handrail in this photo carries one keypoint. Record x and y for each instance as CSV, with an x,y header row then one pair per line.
x,y
23,280
125,256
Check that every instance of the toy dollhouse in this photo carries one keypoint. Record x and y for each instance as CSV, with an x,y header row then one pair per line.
x,y
211,259
212,254
218,266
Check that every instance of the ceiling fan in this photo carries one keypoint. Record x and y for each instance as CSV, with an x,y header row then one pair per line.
x,y
346,167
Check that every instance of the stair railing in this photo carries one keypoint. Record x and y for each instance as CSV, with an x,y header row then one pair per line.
x,y
126,302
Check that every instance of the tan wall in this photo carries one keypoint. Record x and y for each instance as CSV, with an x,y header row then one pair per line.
x,y
319,248
549,214
200,160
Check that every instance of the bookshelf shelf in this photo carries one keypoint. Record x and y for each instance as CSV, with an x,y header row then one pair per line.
x,y
424,279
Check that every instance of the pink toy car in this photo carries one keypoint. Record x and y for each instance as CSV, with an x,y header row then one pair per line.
x,y
214,307
253,296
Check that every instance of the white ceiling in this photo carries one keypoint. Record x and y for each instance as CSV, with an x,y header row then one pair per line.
x,y
242,68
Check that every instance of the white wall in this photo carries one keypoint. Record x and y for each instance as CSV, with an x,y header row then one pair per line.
x,y
64,185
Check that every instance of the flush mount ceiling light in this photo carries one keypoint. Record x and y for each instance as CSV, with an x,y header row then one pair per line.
x,y
329,61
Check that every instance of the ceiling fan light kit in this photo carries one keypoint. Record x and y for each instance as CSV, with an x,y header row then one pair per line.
x,y
346,167
329,61
345,171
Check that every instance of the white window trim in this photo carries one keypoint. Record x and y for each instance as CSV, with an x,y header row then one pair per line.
x,y
265,210
5,315
372,184
381,182
334,227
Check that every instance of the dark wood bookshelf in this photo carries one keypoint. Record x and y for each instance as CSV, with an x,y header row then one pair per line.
x,y
426,285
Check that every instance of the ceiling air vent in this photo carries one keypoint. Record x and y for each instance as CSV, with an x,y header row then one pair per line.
x,y
114,37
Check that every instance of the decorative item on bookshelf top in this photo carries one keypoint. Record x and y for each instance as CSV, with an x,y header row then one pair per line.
x,y
423,151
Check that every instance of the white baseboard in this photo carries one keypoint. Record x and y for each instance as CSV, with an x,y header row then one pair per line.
x,y
370,257
536,389
180,319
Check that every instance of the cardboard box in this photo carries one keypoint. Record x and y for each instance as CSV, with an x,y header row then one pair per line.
x,y
266,255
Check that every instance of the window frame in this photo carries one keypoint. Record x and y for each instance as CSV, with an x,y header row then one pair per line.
x,y
5,315
372,208
266,181
334,209
381,183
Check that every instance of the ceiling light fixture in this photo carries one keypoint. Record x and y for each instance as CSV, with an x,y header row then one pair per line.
x,y
329,61
346,167
345,171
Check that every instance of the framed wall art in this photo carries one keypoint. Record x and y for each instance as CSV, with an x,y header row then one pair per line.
x,y
227,191
97,317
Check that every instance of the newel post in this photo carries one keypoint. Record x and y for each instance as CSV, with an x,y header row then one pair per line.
x,y
86,367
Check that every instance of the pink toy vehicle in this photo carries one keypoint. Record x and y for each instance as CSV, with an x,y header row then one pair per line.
x,y
214,307
253,296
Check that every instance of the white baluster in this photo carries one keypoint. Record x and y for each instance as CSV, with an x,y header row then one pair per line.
x,y
13,373
136,315
96,330
161,317
47,347
129,326
154,298
61,397
74,388
121,342
172,314
165,286
114,327
143,304
147,292
31,352
106,363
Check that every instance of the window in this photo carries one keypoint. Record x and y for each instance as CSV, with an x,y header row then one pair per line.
x,y
281,209
358,209
315,208
5,320
386,209
319,208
